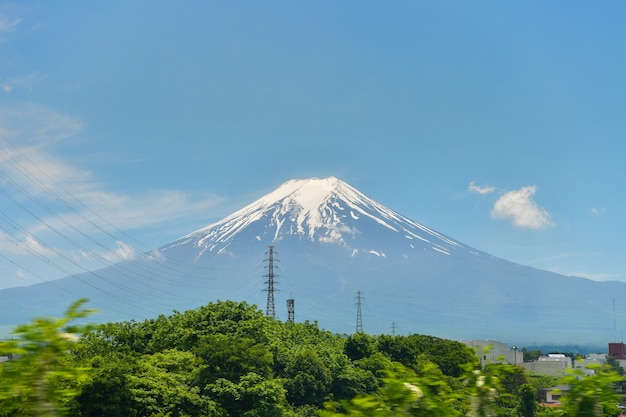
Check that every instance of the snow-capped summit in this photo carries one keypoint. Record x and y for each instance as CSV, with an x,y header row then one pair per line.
x,y
323,210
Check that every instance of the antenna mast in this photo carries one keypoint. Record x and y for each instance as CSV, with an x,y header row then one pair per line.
x,y
270,310
359,320
290,309
614,322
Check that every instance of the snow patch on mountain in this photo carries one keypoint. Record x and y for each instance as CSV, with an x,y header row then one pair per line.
x,y
441,250
324,210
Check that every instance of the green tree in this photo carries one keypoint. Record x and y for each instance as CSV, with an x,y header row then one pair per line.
x,y
483,390
308,379
252,396
546,411
614,364
42,379
530,355
403,394
359,346
378,364
450,356
164,382
512,377
527,401
108,392
231,357
287,339
353,381
591,396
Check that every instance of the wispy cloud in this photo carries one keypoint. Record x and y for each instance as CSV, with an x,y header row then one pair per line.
x,y
8,25
33,125
21,244
597,211
519,207
473,188
54,198
23,82
123,252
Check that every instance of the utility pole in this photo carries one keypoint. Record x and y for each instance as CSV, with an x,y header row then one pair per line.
x,y
359,320
270,310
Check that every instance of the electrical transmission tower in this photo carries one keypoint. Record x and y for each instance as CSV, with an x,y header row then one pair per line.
x,y
359,319
270,310
393,328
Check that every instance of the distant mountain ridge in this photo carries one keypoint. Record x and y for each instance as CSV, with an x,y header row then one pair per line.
x,y
332,241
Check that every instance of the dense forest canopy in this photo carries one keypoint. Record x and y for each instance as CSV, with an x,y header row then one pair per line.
x,y
228,359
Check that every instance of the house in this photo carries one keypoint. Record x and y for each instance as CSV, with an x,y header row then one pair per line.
x,y
553,395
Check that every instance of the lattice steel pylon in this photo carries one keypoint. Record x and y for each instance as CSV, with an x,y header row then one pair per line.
x,y
359,320
270,310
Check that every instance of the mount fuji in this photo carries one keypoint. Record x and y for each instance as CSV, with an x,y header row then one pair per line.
x,y
343,258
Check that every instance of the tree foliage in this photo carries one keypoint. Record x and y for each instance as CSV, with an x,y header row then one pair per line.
x,y
228,359
527,401
252,396
450,356
591,395
41,379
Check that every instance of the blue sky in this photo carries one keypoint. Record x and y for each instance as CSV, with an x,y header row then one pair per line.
x,y
125,125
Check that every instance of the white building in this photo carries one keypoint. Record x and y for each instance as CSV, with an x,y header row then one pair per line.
x,y
490,351
591,359
554,364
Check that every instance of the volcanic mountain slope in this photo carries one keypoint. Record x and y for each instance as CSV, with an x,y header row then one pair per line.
x,y
323,211
331,241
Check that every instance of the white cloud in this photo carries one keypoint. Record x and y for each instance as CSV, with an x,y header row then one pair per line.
x,y
70,202
597,211
519,207
8,25
35,125
124,252
480,189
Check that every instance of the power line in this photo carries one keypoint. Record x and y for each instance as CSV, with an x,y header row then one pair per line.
x,y
26,173
123,267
